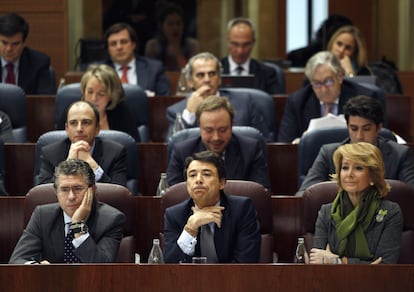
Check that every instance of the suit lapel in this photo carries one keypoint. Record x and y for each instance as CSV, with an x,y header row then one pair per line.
x,y
97,153
141,69
222,234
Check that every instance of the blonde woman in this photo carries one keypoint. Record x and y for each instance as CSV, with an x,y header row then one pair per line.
x,y
101,86
360,225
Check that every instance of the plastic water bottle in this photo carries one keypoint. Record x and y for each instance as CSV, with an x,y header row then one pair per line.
x,y
178,123
156,256
162,185
301,255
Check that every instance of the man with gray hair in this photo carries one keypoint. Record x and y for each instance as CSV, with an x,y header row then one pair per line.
x,y
327,92
240,43
204,77
77,229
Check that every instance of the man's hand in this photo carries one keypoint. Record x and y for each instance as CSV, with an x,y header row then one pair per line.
x,y
316,255
81,150
85,207
205,216
197,97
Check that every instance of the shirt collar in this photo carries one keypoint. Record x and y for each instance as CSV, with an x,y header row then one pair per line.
x,y
233,65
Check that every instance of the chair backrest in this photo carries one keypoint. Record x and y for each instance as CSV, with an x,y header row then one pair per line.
x,y
325,192
135,98
280,73
13,103
261,199
264,104
117,136
311,142
195,132
117,196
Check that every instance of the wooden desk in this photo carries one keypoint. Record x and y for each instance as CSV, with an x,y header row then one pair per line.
x,y
188,277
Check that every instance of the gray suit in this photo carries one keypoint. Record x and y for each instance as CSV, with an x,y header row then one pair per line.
x,y
384,238
44,236
398,162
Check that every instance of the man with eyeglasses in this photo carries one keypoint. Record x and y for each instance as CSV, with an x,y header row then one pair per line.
x,y
20,65
240,43
327,92
106,157
77,229
203,74
121,42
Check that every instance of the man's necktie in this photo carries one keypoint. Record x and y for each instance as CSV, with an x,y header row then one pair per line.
x,y
69,255
124,77
328,108
207,246
239,70
10,77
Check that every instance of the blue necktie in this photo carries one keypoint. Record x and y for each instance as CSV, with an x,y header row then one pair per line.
x,y
69,255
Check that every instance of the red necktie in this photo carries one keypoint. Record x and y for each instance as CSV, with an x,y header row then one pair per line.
x,y
10,78
328,108
124,77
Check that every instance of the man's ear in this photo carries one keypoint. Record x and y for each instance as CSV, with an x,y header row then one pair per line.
x,y
222,183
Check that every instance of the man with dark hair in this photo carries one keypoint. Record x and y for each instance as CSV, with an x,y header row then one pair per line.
x,y
230,222
121,41
77,229
240,43
364,117
21,65
244,156
106,157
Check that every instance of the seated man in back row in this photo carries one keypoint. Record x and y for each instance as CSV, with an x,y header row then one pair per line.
x,y
203,74
107,158
244,156
326,93
221,227
364,117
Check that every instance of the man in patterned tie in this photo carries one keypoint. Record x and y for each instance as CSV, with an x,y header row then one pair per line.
x,y
77,213
232,220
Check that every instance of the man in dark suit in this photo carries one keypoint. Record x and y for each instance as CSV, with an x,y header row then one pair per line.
x,y
221,227
364,116
203,73
240,42
121,41
244,157
95,228
21,65
327,92
107,158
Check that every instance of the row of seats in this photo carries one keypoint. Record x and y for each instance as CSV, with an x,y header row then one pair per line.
x,y
312,200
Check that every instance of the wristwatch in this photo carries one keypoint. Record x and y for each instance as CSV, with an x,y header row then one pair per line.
x,y
79,227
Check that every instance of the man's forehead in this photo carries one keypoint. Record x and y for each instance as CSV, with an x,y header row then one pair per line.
x,y
197,165
200,64
359,121
81,111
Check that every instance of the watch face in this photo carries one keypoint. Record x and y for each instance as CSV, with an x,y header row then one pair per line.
x,y
80,228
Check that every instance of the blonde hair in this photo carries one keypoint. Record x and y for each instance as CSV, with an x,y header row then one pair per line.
x,y
360,53
368,156
108,77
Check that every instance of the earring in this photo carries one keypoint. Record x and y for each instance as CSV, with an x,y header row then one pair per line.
x,y
371,183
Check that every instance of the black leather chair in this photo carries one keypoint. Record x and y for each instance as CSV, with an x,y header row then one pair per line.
x,y
264,104
117,136
325,192
194,132
311,142
115,195
13,103
261,199
135,98
3,191
280,76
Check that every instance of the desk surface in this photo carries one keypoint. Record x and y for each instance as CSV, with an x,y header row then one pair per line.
x,y
130,277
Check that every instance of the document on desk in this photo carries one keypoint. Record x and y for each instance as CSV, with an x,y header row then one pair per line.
x,y
328,121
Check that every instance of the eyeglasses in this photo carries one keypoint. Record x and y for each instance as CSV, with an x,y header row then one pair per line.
x,y
241,45
327,83
77,190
